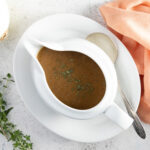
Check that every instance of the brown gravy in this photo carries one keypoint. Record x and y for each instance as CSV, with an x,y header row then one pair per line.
x,y
74,78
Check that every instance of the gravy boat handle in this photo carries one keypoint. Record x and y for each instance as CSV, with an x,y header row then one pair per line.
x,y
117,115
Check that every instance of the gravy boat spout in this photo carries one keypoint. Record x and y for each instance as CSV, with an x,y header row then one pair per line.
x,y
33,46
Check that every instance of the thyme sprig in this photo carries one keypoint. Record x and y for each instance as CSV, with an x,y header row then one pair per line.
x,y
7,128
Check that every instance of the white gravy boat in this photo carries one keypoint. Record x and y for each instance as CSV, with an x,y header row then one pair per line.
x,y
106,106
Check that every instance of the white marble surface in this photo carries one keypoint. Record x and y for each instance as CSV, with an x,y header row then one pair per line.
x,y
23,13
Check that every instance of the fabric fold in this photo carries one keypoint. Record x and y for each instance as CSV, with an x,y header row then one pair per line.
x,y
130,21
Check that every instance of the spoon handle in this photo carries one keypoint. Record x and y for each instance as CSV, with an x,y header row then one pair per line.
x,y
136,123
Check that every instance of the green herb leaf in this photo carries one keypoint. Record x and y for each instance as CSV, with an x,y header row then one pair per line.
x,y
8,129
8,110
0,94
9,75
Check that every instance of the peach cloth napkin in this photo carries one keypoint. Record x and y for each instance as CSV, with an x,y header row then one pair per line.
x,y
130,21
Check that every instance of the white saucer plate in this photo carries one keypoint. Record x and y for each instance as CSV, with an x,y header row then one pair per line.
x,y
55,28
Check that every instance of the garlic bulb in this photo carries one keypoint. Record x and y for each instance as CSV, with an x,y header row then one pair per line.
x,y
4,19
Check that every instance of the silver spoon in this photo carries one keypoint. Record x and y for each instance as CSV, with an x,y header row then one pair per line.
x,y
104,42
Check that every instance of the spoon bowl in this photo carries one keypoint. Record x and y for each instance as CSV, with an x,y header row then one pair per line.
x,y
105,43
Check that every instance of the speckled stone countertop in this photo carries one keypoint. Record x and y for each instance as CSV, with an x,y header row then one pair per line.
x,y
23,13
